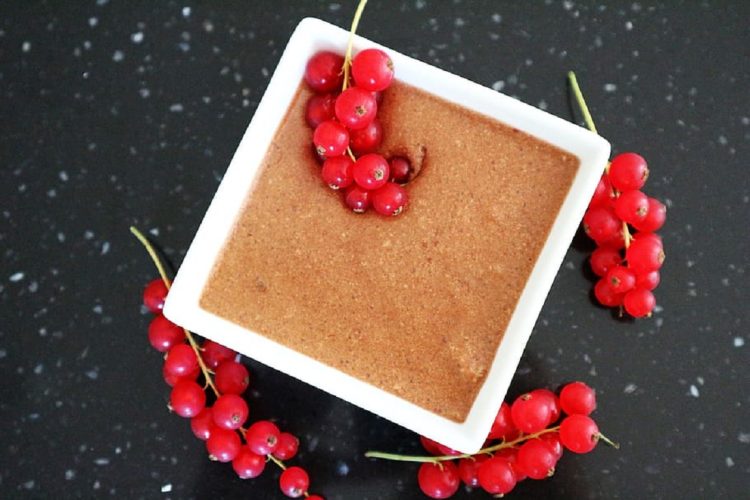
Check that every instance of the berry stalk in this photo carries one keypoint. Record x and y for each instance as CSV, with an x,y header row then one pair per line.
x,y
352,31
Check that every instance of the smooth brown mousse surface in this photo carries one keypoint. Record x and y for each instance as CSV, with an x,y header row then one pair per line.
x,y
415,304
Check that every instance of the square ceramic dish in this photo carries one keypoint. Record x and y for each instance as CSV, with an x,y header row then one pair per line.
x,y
183,308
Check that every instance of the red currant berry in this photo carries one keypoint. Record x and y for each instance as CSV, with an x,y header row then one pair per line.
x,y
357,199
445,450
262,437
579,433
603,259
294,482
639,302
247,464
511,455
502,427
163,334
230,411
203,424
378,97
430,446
654,220
552,402
320,108
287,446
330,139
187,398
323,72
605,295
647,281
496,476
553,440
577,398
645,253
231,377
601,223
621,279
337,172
315,497
617,242
438,481
356,108
530,413
632,206
468,469
602,194
171,379
180,360
390,199
371,171
154,295
536,459
223,445
372,70
400,169
628,171
367,139
214,354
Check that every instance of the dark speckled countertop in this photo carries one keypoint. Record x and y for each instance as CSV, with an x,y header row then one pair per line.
x,y
117,112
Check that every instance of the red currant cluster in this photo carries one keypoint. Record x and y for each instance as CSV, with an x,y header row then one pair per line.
x,y
617,205
530,444
346,124
221,424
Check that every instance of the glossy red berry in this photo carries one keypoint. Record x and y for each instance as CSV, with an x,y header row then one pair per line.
x,y
247,464
171,379
371,171
603,259
323,72
154,295
511,455
315,497
390,199
468,469
367,139
337,172
438,481
577,398
356,108
187,398
223,445
647,281
530,413
357,199
400,169
639,302
628,171
553,440
502,426
631,206
262,437
372,70
287,446
496,476
294,482
163,334
536,459
430,446
180,361
203,424
214,354
579,433
231,377
602,194
645,253
654,220
446,450
605,295
620,279
230,411
601,223
552,402
330,139
319,108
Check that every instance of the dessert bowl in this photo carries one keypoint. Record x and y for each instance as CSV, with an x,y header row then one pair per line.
x,y
186,304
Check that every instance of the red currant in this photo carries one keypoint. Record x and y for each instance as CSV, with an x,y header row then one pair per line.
x,y
357,199
230,411
180,361
530,413
371,171
372,70
552,402
203,424
628,171
154,295
536,459
287,446
323,72
223,445
171,379
579,433
468,469
639,302
262,437
645,253
654,220
647,281
632,206
621,279
294,482
330,139
496,476
553,440
602,194
430,446
400,169
337,172
231,377
502,427
605,295
577,398
315,497
163,334
214,354
390,199
247,464
356,108
601,223
617,242
367,139
320,108
511,455
445,450
187,398
438,481
603,259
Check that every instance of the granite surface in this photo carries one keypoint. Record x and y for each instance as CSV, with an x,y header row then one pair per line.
x,y
117,113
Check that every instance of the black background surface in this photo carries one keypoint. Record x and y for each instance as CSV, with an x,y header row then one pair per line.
x,y
116,113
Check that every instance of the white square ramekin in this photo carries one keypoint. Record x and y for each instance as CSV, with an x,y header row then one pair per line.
x,y
182,306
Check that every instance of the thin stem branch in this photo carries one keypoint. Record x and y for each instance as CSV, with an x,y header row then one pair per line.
x,y
581,101
352,31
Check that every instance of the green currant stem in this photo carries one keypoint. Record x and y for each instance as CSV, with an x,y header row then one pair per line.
x,y
352,31
442,458
608,441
